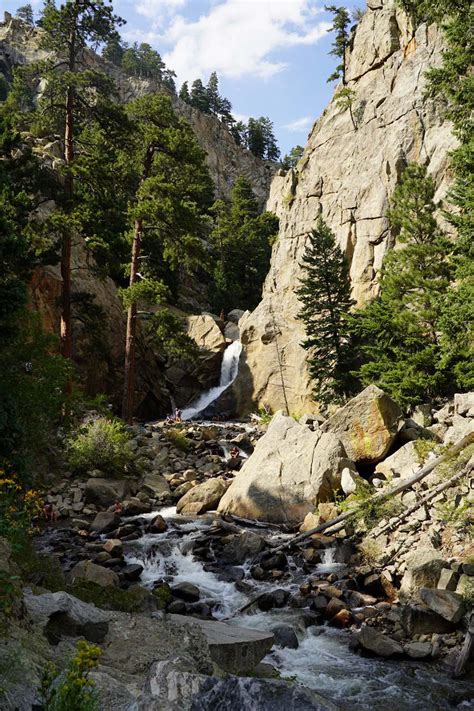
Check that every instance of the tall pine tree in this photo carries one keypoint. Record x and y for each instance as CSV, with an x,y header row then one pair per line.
x,y
341,21
325,294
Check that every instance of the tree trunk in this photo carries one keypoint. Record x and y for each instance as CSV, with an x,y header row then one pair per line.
x,y
130,340
129,375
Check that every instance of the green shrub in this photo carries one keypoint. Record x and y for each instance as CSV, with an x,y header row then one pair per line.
x,y
72,689
100,444
178,439
135,599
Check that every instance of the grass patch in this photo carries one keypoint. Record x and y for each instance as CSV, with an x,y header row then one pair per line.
x,y
178,439
135,599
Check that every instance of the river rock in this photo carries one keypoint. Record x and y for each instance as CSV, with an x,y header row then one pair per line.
x,y
186,591
285,636
239,547
378,643
105,522
203,497
423,570
418,650
158,525
105,492
155,485
234,649
290,471
418,619
447,604
114,547
62,614
367,425
87,570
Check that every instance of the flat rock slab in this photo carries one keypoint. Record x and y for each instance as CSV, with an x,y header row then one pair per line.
x,y
62,614
445,603
234,649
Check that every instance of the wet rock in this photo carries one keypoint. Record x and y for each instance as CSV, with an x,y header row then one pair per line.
x,y
418,650
239,547
357,599
105,522
333,607
132,572
126,530
341,619
105,492
186,591
177,607
448,605
269,561
134,506
87,570
203,497
114,547
158,525
378,643
285,636
367,425
61,614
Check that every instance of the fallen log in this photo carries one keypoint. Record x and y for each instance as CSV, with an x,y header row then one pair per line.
x,y
405,484
430,495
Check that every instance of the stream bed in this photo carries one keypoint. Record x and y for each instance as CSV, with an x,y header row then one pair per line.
x,y
324,660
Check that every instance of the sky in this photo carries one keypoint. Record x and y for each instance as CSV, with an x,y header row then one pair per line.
x,y
271,56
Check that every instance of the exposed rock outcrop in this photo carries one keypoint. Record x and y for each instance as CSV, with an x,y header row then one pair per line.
x,y
346,174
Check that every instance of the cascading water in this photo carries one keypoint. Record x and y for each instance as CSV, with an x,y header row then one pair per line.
x,y
229,370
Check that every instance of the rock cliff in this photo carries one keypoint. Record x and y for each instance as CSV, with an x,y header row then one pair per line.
x,y
346,174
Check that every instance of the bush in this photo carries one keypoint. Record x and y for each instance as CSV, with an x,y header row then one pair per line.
x,y
178,439
100,444
72,689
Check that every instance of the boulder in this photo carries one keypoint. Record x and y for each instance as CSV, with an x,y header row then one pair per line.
x,y
87,570
234,649
285,636
105,492
418,650
186,591
445,603
114,547
378,643
351,481
423,570
232,332
239,547
235,315
417,620
448,579
204,330
203,497
105,522
155,485
132,572
61,614
367,425
461,427
310,521
401,464
290,471
464,404
158,525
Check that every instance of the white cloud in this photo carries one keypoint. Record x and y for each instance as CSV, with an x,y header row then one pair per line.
x,y
155,9
299,125
236,38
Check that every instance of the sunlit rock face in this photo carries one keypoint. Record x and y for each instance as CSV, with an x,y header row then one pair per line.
x,y
346,175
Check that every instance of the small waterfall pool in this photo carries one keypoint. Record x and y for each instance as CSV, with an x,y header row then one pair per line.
x,y
324,660
229,370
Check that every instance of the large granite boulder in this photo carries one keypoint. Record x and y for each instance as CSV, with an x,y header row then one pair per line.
x,y
367,425
203,497
401,464
291,470
377,643
91,572
204,330
423,570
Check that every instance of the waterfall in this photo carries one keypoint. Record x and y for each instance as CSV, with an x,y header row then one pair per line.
x,y
229,370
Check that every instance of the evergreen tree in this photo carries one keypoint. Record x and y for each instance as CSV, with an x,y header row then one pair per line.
x,y
114,49
241,241
66,104
173,190
325,294
239,133
341,21
213,96
25,13
401,331
184,93
261,140
198,97
290,160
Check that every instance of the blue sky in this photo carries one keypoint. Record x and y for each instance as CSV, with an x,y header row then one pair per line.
x,y
271,56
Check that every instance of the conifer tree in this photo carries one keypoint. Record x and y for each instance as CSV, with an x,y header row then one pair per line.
x,y
73,93
325,294
25,13
213,95
290,160
198,96
173,190
401,331
184,93
341,21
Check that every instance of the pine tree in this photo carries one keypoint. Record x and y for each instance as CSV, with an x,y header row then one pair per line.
x,y
25,13
241,241
66,104
184,93
213,95
325,294
401,332
290,160
198,96
114,49
173,189
341,21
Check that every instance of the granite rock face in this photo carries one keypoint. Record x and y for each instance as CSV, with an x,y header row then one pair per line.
x,y
346,174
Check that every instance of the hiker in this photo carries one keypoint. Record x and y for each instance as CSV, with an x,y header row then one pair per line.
x,y
177,415
49,512
118,508
235,461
